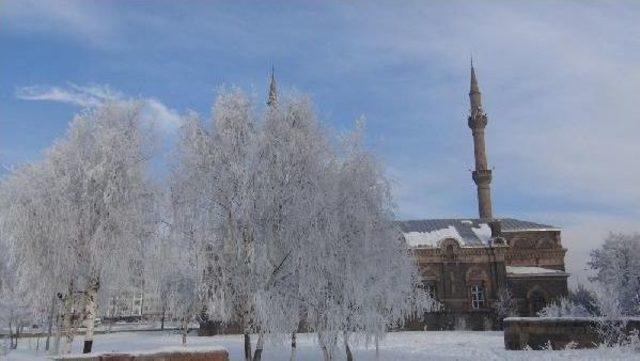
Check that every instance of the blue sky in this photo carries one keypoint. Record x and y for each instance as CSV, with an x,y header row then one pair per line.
x,y
560,81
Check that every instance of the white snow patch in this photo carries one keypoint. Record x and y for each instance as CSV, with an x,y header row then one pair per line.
x,y
406,346
483,232
431,239
520,270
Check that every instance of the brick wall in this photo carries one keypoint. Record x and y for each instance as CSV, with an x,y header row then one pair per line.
x,y
536,333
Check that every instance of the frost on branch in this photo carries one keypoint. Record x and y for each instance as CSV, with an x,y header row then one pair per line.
x,y
75,219
264,222
617,266
506,305
563,308
286,228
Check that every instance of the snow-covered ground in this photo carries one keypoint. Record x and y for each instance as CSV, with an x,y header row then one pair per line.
x,y
409,346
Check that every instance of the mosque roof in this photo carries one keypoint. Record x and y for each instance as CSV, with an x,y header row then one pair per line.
x,y
469,232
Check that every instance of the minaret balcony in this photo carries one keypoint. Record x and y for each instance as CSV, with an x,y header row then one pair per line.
x,y
482,176
477,120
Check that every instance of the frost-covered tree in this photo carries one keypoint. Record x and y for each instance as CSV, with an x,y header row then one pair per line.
x,y
33,232
177,282
172,269
364,280
617,266
612,321
284,229
563,307
506,305
78,215
191,215
212,184
292,157
15,313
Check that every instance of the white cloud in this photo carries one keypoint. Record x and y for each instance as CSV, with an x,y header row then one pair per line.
x,y
560,91
560,86
91,22
83,96
559,80
153,110
159,113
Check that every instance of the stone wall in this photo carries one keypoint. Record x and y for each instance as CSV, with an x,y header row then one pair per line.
x,y
520,332
167,355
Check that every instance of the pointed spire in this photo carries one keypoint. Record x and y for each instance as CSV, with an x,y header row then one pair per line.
x,y
474,93
482,174
272,100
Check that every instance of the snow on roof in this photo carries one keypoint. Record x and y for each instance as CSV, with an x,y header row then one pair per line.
x,y
534,271
483,232
469,232
431,239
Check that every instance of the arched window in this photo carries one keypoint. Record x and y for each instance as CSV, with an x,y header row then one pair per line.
x,y
477,297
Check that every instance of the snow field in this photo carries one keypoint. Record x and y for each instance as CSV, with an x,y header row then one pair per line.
x,y
408,346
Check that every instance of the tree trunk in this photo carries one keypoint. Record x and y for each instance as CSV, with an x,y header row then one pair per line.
x,y
257,355
11,335
17,335
326,355
247,346
50,322
67,316
68,331
162,319
346,346
185,330
56,341
90,313
377,347
293,347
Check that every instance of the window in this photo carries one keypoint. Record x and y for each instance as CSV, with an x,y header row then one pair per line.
x,y
450,251
477,297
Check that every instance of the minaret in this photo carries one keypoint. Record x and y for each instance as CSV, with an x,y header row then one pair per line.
x,y
272,99
482,174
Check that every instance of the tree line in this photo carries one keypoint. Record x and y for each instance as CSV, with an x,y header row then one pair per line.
x,y
265,218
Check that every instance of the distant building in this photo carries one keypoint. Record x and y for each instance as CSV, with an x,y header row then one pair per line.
x,y
466,262
133,306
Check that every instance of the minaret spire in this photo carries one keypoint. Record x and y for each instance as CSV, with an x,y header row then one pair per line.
x,y
474,94
272,99
482,174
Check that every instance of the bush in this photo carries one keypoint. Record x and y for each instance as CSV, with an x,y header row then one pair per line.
x,y
564,308
586,298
